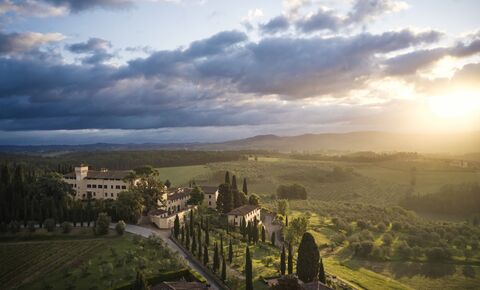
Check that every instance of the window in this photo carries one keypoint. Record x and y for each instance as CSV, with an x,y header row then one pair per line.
x,y
124,187
117,186
105,186
94,194
83,195
209,203
94,186
209,196
111,186
111,194
89,186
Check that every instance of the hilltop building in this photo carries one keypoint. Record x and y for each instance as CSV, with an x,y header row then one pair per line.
x,y
102,184
248,212
175,203
210,196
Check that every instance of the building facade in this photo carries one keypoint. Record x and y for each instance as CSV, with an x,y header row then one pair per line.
x,y
101,184
247,212
210,196
175,203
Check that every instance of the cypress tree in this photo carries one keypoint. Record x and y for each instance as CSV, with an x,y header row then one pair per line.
x,y
182,233
224,270
187,238
199,252
272,239
199,237
307,259
321,272
263,234
282,261
207,234
140,282
221,245
216,259
245,189
255,232
249,232
290,259
194,243
230,252
191,222
176,227
225,202
248,271
234,182
227,177
205,255
243,227
286,220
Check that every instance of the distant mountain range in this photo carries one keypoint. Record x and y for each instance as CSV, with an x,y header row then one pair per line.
x,y
329,142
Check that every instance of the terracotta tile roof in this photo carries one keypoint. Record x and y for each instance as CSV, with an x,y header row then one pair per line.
x,y
178,195
243,210
209,189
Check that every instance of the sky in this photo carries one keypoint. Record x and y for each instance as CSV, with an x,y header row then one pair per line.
x,y
121,71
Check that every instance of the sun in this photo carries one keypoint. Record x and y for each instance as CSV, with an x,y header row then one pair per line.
x,y
456,104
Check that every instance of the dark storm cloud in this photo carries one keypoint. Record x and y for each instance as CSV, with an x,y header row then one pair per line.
x,y
196,86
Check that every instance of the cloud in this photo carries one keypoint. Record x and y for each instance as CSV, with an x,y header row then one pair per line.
x,y
365,10
95,48
43,8
21,42
323,19
275,25
411,62
222,80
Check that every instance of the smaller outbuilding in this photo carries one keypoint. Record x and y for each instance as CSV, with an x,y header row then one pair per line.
x,y
248,212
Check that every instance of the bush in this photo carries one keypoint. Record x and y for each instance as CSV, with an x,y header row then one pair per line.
x,y
120,227
438,254
66,227
294,191
31,226
49,225
102,224
396,226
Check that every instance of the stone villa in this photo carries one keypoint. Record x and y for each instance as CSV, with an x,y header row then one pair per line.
x,y
247,212
210,196
102,184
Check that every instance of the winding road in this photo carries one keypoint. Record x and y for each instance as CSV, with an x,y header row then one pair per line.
x,y
165,235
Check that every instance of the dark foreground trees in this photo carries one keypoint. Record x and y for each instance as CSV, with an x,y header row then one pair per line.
x,y
307,260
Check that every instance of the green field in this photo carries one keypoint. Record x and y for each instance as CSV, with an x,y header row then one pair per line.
x,y
371,182
81,260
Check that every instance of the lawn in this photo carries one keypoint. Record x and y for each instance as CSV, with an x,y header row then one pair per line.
x,y
81,260
182,175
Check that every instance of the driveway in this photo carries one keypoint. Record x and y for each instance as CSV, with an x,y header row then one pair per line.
x,y
146,231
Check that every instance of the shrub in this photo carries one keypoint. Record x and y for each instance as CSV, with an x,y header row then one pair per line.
x,y
66,227
31,226
396,226
120,227
294,191
102,224
438,254
50,225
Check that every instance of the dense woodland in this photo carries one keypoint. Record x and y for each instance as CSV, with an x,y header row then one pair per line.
x,y
460,199
366,156
124,160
